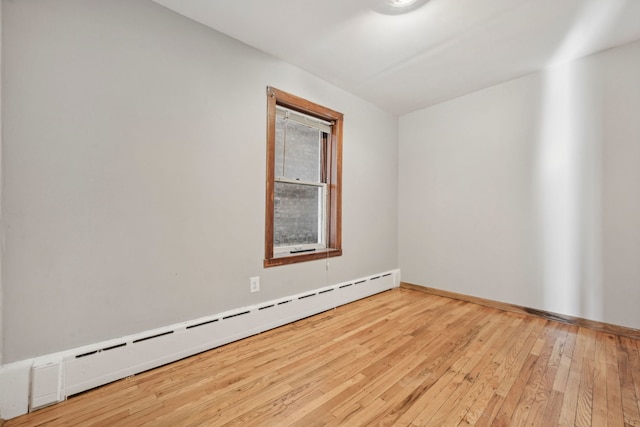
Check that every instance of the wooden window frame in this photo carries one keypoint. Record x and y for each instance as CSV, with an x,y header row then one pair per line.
x,y
332,172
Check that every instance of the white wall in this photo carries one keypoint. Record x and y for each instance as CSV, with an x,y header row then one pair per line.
x,y
133,164
528,192
621,186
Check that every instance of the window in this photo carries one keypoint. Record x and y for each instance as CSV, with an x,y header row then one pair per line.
x,y
304,176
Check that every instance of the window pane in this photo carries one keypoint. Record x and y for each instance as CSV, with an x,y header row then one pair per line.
x,y
297,214
297,151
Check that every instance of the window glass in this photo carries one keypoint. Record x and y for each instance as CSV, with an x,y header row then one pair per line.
x,y
298,215
297,151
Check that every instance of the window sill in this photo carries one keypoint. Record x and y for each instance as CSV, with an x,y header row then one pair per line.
x,y
286,258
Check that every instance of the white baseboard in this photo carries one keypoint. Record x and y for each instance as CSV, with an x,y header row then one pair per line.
x,y
39,382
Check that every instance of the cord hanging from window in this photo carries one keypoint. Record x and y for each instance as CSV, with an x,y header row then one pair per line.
x,y
284,141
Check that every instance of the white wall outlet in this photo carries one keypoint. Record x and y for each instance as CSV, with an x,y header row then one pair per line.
x,y
254,284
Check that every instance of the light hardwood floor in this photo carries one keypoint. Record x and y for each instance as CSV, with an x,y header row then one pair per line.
x,y
400,358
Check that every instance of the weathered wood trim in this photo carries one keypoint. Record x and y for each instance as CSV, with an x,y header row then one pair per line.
x,y
563,318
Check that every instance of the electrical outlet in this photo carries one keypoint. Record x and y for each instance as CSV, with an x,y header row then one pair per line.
x,y
254,284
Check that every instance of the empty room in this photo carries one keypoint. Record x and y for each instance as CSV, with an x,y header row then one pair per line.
x,y
310,213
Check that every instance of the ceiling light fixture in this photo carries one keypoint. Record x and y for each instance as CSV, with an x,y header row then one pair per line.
x,y
401,3
396,7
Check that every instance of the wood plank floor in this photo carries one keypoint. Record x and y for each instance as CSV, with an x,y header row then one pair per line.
x,y
400,358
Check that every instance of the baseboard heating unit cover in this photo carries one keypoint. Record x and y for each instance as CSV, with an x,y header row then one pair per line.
x,y
57,376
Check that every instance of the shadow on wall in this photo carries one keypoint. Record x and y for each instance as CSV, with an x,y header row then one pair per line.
x,y
569,172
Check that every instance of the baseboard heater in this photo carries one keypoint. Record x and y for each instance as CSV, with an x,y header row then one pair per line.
x,y
57,376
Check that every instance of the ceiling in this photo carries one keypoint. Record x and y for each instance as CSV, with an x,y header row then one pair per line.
x,y
442,50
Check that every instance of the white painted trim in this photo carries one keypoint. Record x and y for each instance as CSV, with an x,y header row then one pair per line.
x,y
47,383
45,380
14,389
